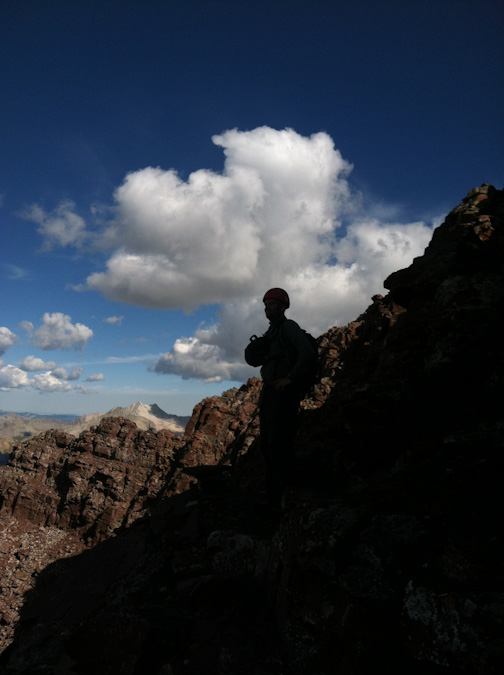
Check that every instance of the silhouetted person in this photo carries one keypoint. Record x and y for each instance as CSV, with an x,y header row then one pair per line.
x,y
287,359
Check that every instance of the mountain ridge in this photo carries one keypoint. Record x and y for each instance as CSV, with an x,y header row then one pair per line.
x,y
15,427
133,551
30,415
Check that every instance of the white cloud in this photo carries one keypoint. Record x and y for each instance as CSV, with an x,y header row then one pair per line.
x,y
321,297
114,320
7,339
63,374
32,364
98,377
58,332
298,197
190,357
81,389
281,213
218,237
12,378
62,227
27,326
47,382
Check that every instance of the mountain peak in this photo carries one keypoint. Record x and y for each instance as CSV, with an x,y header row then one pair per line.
x,y
145,410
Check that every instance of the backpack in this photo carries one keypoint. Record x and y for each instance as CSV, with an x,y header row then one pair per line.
x,y
256,354
310,378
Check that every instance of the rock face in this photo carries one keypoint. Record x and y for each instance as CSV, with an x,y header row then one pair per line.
x,y
89,484
128,551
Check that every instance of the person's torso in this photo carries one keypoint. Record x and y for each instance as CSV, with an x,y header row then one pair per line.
x,y
278,362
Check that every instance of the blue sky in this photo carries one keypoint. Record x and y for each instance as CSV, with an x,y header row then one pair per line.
x,y
163,163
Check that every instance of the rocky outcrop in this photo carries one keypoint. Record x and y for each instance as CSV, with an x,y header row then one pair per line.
x,y
76,492
141,552
60,495
91,484
222,426
408,448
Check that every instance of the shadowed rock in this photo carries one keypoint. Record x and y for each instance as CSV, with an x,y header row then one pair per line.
x,y
141,552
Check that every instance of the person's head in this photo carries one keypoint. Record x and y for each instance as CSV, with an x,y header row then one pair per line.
x,y
276,301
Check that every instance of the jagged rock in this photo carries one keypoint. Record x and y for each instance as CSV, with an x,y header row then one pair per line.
x,y
91,484
147,553
220,431
221,423
76,492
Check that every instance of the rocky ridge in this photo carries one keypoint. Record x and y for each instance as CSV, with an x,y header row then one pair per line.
x,y
388,554
14,427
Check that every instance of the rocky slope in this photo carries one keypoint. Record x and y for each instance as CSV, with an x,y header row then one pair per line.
x,y
128,551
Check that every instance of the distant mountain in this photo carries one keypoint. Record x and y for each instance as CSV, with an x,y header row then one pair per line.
x,y
145,416
35,416
16,427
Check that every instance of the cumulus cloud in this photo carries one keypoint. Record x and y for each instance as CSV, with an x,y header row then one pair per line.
x,y
63,374
12,378
56,380
32,364
27,326
190,357
58,332
62,227
115,320
281,213
97,377
47,382
7,339
219,236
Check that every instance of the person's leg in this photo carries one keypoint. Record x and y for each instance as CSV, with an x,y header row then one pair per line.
x,y
278,417
267,441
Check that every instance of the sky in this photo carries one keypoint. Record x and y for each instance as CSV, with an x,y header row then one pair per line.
x,y
162,164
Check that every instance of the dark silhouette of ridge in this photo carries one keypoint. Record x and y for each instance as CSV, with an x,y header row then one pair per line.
x,y
387,554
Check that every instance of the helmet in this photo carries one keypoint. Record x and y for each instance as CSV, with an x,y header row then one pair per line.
x,y
277,294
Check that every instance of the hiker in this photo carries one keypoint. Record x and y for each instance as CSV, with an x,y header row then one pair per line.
x,y
286,359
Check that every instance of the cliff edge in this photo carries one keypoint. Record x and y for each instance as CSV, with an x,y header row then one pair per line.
x,y
128,551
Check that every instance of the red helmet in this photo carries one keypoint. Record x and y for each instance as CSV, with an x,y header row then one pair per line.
x,y
277,294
